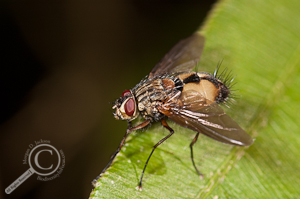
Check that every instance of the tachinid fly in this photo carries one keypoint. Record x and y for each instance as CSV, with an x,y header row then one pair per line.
x,y
190,99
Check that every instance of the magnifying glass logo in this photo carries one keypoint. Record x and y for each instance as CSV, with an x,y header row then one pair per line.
x,y
35,167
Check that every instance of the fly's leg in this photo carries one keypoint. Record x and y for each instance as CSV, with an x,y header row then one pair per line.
x,y
192,153
128,131
164,123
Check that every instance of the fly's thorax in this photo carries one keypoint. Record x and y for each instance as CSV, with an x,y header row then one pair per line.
x,y
211,88
150,93
126,107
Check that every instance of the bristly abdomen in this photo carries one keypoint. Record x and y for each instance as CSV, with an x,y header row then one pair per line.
x,y
210,87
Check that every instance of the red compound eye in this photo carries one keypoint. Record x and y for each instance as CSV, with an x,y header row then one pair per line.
x,y
126,93
129,107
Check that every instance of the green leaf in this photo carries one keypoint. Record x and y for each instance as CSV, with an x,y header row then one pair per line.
x,y
260,42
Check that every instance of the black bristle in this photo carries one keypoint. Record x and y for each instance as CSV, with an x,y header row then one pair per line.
x,y
226,77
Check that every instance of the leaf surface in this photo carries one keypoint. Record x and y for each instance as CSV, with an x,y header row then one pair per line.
x,y
259,41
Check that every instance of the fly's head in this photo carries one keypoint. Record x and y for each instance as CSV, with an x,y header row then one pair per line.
x,y
126,107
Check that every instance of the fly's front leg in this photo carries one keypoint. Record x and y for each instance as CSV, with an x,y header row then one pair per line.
x,y
128,131
164,123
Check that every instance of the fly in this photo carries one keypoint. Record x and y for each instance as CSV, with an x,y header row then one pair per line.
x,y
190,99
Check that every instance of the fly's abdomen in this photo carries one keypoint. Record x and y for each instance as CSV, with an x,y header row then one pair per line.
x,y
211,88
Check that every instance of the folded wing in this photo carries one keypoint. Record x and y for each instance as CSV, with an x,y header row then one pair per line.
x,y
184,56
196,113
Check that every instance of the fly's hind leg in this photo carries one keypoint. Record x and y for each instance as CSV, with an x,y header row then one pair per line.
x,y
128,131
192,153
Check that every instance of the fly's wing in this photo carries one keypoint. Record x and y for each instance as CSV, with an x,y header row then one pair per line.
x,y
198,114
182,57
